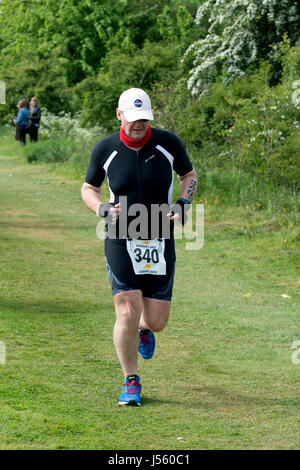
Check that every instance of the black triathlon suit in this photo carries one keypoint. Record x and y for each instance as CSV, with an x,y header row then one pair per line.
x,y
144,177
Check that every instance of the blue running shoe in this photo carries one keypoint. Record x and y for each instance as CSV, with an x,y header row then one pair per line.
x,y
147,344
131,395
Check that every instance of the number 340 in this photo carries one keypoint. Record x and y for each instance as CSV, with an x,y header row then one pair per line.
x,y
149,255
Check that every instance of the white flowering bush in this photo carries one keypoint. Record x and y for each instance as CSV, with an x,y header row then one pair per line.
x,y
64,125
239,33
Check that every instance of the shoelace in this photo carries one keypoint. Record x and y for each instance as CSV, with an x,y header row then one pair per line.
x,y
145,339
132,387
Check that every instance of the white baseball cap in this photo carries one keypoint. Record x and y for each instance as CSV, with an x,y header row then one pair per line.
x,y
135,104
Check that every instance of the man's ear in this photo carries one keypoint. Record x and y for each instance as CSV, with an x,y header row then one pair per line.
x,y
118,113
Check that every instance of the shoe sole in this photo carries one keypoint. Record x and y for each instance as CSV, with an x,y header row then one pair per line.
x,y
129,403
146,358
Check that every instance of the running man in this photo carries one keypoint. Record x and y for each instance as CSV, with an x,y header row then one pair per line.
x,y
140,256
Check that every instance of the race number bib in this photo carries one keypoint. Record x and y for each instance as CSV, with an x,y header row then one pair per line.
x,y
147,256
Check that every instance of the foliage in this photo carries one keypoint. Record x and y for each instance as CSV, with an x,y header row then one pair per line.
x,y
239,34
43,78
266,130
61,51
177,23
242,135
239,126
82,32
176,111
269,138
66,126
77,31
152,64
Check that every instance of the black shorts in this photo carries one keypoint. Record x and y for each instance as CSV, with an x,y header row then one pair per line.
x,y
123,278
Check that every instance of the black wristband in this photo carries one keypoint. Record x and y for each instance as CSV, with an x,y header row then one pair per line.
x,y
183,203
181,207
103,210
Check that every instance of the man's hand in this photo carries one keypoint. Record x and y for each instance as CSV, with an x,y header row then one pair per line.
x,y
109,212
178,211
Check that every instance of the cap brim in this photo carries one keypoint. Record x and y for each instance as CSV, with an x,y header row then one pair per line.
x,y
134,115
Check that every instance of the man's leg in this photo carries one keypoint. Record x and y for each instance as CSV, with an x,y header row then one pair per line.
x,y
155,314
128,306
154,318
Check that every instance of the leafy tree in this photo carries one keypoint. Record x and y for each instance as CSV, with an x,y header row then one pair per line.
x,y
81,31
44,78
76,37
77,31
121,70
177,23
238,34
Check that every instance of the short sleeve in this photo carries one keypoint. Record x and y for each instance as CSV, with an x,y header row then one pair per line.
x,y
95,174
182,164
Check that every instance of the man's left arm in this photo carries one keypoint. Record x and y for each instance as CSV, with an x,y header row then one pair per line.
x,y
188,186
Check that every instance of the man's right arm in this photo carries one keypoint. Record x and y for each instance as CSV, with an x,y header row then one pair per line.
x,y
91,197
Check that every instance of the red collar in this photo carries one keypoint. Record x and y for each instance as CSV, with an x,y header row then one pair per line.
x,y
135,143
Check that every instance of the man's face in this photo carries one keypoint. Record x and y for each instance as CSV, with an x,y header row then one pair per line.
x,y
134,130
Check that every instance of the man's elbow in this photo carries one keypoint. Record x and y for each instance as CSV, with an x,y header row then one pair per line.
x,y
84,192
187,176
194,174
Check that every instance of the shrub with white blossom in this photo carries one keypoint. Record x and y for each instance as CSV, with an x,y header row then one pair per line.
x,y
238,34
64,125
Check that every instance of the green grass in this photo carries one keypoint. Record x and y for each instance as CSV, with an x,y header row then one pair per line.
x,y
222,376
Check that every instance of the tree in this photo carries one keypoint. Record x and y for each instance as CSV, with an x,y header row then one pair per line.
x,y
177,23
78,32
134,68
238,34
72,36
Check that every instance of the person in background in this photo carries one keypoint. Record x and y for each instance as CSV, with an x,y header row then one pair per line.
x,y
35,117
22,120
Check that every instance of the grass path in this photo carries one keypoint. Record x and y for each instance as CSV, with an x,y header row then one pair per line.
x,y
222,376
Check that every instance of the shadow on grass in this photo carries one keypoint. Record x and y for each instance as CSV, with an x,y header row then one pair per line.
x,y
29,307
33,225
212,398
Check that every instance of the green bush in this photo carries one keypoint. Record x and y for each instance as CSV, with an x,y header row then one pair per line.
x,y
265,136
50,150
65,155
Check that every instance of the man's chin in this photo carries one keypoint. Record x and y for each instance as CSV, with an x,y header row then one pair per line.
x,y
138,135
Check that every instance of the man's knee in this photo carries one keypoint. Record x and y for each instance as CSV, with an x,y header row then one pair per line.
x,y
155,314
128,310
158,325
